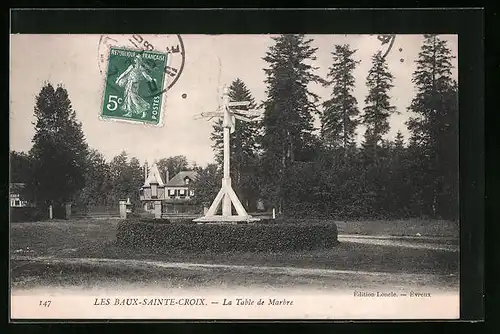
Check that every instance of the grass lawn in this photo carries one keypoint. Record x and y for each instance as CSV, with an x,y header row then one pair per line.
x,y
96,239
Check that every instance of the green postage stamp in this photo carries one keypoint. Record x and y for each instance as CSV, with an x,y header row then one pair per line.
x,y
134,85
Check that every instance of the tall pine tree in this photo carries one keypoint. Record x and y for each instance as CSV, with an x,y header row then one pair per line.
x,y
243,146
375,118
245,135
399,143
288,119
338,123
59,148
434,128
399,194
378,107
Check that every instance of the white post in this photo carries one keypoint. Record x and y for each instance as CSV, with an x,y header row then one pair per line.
x,y
226,197
123,209
50,212
226,181
274,213
68,210
157,210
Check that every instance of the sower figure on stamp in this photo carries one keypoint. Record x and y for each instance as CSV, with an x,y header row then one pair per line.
x,y
130,80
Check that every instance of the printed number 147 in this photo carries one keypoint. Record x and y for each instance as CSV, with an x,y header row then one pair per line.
x,y
44,303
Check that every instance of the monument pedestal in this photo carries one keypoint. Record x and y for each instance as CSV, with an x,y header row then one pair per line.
x,y
226,219
226,197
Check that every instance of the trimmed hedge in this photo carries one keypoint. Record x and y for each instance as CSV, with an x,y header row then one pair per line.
x,y
163,235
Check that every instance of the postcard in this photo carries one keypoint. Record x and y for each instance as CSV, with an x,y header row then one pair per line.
x,y
171,176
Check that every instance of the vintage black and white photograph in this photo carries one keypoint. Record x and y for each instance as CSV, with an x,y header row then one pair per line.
x,y
234,176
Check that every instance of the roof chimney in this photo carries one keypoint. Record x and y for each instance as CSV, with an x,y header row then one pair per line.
x,y
166,176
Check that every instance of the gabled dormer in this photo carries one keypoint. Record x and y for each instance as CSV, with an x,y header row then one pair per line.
x,y
154,177
153,181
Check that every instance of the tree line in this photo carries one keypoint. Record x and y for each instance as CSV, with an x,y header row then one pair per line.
x,y
61,168
105,183
303,171
281,158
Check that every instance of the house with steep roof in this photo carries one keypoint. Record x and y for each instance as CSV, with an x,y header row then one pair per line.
x,y
179,187
174,194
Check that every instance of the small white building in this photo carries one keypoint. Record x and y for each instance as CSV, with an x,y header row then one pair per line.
x,y
16,199
174,194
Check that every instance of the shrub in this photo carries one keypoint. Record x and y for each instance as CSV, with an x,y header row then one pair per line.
x,y
251,237
27,214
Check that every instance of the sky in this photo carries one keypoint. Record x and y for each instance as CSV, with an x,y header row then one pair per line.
x,y
210,62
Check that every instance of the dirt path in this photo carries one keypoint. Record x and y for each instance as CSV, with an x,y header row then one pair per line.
x,y
292,271
432,243
239,275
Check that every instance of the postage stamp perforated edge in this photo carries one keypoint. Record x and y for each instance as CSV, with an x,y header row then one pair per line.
x,y
158,91
106,49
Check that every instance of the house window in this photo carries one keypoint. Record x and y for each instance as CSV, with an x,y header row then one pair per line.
x,y
171,192
154,191
17,202
191,193
186,180
182,192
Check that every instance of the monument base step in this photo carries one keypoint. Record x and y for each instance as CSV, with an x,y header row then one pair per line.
x,y
226,219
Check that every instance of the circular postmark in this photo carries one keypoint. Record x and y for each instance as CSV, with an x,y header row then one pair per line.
x,y
137,70
386,43
172,45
